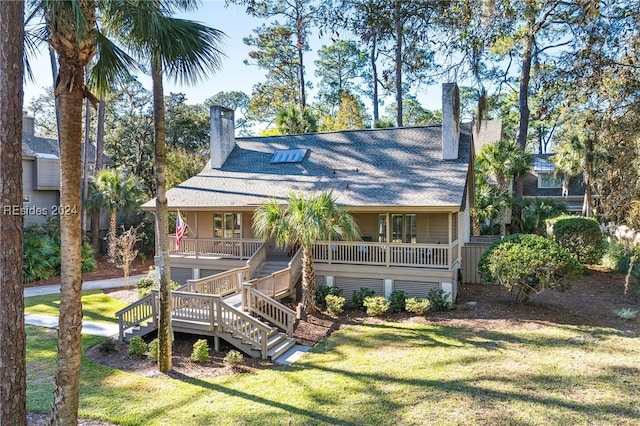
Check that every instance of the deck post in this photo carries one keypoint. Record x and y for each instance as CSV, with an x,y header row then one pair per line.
x,y
216,343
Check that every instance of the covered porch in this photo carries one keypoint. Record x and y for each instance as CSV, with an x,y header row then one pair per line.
x,y
389,239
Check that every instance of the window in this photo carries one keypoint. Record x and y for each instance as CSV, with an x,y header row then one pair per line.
x,y
382,228
403,228
396,228
227,225
549,180
410,228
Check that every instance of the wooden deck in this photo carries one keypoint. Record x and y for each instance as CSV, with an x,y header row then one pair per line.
x,y
259,325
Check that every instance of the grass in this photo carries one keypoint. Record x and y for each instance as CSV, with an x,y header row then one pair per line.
x,y
96,306
385,373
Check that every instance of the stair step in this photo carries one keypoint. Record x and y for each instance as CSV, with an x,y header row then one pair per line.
x,y
281,348
275,339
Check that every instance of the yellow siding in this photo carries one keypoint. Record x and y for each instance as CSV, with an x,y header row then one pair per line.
x,y
205,224
368,223
247,225
439,228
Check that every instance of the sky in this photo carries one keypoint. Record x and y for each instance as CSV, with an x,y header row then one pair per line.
x,y
234,74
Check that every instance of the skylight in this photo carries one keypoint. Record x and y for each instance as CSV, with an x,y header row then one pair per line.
x,y
289,156
543,165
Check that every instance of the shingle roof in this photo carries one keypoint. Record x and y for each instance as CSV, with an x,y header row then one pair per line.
x,y
33,145
376,167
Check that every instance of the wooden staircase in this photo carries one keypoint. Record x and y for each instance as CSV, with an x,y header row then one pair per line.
x,y
260,327
209,315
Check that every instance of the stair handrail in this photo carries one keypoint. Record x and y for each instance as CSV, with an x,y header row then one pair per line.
x,y
295,265
215,284
257,259
269,309
233,320
135,314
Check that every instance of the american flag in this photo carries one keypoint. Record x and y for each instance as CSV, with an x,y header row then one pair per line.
x,y
181,229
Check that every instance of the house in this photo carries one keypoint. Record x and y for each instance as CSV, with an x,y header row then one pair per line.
x,y
543,182
409,189
41,174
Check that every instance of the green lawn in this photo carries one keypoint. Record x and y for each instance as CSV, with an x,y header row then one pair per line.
x,y
380,374
96,306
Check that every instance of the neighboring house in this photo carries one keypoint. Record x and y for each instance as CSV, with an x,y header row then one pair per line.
x,y
41,174
542,182
409,189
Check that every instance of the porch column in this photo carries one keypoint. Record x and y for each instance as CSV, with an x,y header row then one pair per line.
x,y
388,287
329,281
448,288
449,253
195,273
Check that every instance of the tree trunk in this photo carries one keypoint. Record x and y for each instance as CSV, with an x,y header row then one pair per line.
x,y
54,74
374,81
398,57
475,225
587,207
300,47
308,282
525,77
95,217
85,160
163,268
111,238
13,398
66,393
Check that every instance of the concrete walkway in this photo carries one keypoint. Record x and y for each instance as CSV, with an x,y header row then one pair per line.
x,y
88,327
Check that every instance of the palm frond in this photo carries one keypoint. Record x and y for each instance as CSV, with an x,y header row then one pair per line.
x,y
189,50
112,67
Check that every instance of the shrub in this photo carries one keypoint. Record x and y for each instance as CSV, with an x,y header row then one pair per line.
x,y
359,296
527,264
376,305
439,299
153,349
322,291
418,306
617,255
200,351
535,213
233,359
148,283
581,236
41,252
137,347
335,304
107,345
626,314
397,301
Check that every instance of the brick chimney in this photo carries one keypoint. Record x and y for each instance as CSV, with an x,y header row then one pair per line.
x,y
450,121
222,135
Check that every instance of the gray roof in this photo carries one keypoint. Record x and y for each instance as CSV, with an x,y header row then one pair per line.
x,y
489,131
34,145
375,167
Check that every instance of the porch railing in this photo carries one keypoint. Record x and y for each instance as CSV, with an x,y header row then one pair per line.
x,y
214,247
383,254
221,284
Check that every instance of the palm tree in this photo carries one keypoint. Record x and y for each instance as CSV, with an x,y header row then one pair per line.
x,y
70,30
577,155
13,373
115,192
504,160
305,220
187,51
490,203
292,120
